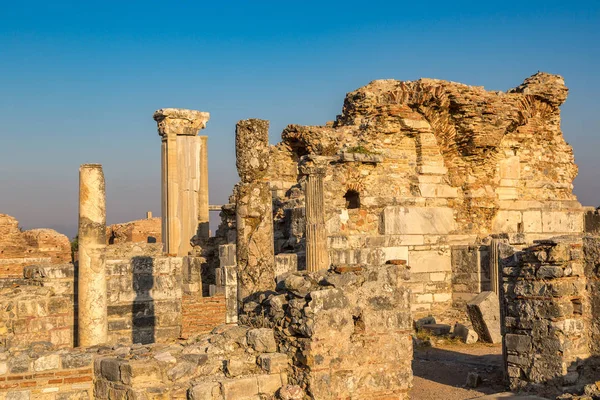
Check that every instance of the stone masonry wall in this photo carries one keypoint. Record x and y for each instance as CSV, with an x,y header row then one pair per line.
x,y
231,363
21,248
545,307
347,330
38,372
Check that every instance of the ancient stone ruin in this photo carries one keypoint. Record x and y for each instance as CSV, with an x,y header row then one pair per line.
x,y
424,204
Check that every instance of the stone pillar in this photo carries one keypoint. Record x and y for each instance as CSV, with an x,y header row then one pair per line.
x,y
203,212
254,209
181,175
317,257
92,315
494,273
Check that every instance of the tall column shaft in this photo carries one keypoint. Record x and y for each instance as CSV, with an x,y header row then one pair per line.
x,y
494,272
254,209
181,176
172,187
203,212
92,314
317,257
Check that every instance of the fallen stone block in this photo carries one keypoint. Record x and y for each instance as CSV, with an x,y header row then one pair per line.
x,y
424,321
484,312
466,334
473,380
436,329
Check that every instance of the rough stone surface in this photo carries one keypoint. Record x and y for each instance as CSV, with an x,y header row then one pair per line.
x,y
547,317
20,248
484,312
341,327
141,230
466,334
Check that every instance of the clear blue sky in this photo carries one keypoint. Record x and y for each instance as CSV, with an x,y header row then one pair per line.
x,y
79,81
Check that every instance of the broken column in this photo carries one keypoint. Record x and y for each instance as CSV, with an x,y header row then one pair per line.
x,y
254,213
317,257
182,169
92,314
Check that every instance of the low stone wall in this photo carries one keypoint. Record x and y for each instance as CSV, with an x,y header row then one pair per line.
x,y
40,373
234,362
347,330
545,307
31,314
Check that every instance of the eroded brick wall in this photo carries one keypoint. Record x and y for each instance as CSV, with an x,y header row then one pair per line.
x,y
201,314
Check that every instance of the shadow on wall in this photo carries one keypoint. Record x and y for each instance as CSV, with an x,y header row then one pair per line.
x,y
75,302
142,313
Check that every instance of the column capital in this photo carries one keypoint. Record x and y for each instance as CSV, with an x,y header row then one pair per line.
x,y
179,121
312,164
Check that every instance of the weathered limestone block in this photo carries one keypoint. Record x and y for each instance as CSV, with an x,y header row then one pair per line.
x,y
93,323
417,220
466,334
484,312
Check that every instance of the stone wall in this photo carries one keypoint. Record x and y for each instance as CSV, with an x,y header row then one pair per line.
x,y
231,363
42,373
30,314
141,230
148,300
21,248
347,330
546,308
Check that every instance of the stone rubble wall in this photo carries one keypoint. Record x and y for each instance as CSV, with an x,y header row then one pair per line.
x,y
347,330
42,373
591,250
141,230
30,314
21,248
232,363
546,311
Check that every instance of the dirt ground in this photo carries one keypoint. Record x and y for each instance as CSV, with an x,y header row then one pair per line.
x,y
440,372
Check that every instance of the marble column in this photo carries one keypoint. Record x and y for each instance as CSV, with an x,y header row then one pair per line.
x,y
494,272
203,212
317,256
254,209
92,314
181,175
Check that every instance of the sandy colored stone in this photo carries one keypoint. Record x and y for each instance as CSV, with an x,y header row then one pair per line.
x,y
93,322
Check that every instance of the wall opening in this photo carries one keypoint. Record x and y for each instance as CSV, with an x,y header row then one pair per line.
x,y
352,199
